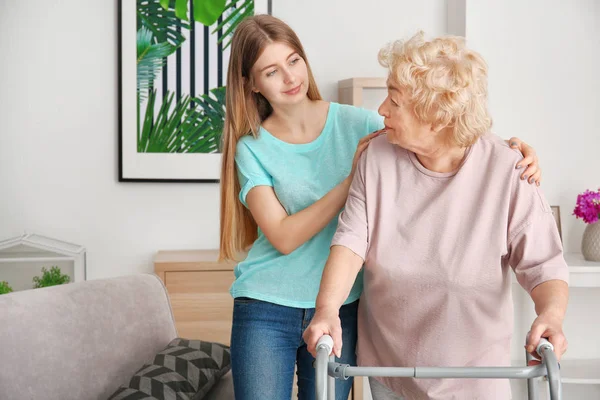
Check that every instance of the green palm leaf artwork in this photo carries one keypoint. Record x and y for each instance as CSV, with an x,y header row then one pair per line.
x,y
213,107
205,11
171,117
162,23
150,59
237,13
176,128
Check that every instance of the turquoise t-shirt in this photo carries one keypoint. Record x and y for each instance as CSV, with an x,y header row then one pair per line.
x,y
300,174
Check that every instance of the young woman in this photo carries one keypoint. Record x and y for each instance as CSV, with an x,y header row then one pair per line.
x,y
288,161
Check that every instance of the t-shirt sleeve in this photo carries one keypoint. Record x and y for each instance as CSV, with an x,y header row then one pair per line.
x,y
352,231
251,171
535,250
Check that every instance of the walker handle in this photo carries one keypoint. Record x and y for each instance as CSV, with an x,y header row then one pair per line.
x,y
543,343
326,342
322,379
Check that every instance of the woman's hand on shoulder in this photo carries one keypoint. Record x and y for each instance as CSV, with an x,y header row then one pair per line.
x,y
530,162
362,146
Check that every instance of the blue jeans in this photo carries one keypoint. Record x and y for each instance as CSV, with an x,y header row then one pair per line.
x,y
266,345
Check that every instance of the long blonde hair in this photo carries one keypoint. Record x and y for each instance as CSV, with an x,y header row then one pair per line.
x,y
245,110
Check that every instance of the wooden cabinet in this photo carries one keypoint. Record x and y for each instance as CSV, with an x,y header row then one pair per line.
x,y
362,92
198,287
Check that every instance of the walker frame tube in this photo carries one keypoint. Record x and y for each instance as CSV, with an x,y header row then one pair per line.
x,y
327,370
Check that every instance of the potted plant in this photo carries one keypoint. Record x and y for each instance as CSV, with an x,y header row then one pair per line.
x,y
588,209
5,287
50,278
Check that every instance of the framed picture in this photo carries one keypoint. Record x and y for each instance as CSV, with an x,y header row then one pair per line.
x,y
556,214
173,57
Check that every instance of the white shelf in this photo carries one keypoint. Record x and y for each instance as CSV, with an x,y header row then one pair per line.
x,y
576,260
582,372
582,273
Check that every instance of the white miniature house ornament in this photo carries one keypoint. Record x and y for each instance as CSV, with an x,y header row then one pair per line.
x,y
22,258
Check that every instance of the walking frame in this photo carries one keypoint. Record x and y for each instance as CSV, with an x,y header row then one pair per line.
x,y
327,371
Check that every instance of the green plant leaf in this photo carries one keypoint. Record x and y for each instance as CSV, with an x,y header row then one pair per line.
x,y
50,278
161,22
177,128
236,15
5,288
213,107
181,9
208,143
164,4
150,60
208,11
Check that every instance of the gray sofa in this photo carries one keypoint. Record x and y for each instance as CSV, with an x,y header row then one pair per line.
x,y
83,340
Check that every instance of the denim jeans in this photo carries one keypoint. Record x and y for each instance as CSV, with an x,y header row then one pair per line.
x,y
266,345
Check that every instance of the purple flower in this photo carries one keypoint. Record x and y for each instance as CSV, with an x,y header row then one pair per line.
x,y
588,206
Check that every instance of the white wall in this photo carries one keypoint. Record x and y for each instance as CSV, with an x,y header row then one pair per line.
x,y
58,126
58,123
544,58
535,51
58,112
342,37
58,144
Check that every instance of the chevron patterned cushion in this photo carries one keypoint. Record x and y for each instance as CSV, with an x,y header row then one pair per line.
x,y
185,370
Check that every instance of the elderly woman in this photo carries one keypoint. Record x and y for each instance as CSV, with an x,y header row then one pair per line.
x,y
438,216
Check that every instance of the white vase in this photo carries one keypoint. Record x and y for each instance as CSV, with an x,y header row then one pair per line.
x,y
590,243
